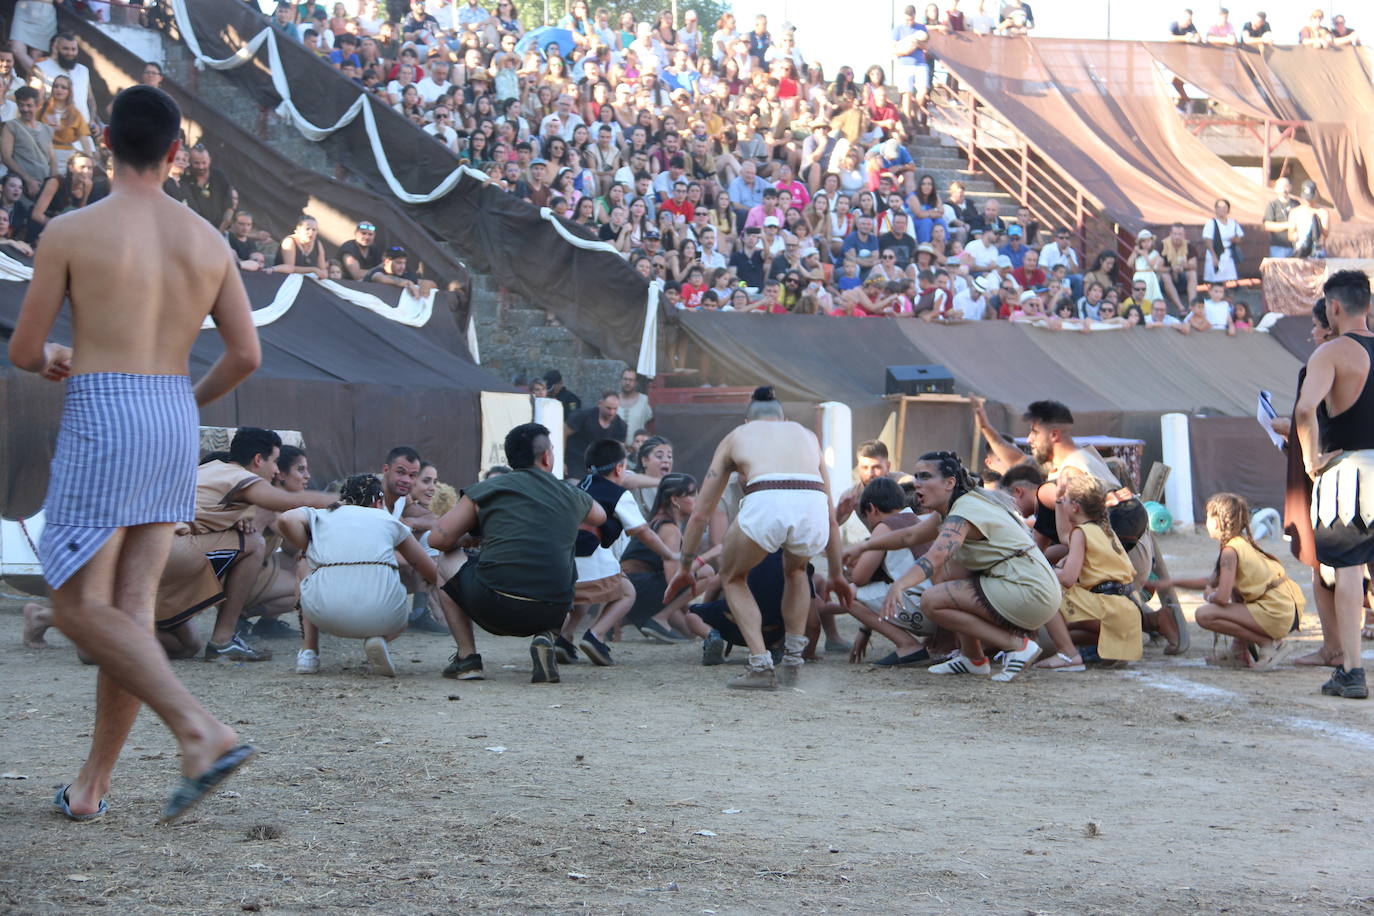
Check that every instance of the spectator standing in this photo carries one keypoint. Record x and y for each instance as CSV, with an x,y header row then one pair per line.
x,y
1184,29
591,424
1220,236
63,62
635,410
558,391
1276,219
1222,32
207,190
911,72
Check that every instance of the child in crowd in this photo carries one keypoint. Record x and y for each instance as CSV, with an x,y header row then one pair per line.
x,y
1249,596
1097,612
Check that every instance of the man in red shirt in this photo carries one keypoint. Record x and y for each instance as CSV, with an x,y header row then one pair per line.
x,y
682,209
1030,275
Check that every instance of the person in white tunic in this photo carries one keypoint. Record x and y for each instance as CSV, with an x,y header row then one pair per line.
x,y
1220,237
354,589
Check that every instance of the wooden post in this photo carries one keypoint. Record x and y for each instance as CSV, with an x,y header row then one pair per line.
x,y
1268,156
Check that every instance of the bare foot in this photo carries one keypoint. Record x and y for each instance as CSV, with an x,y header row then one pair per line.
x,y
37,619
199,754
1322,658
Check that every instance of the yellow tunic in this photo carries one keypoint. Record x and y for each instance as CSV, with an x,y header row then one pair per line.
x,y
1105,561
1013,574
1274,599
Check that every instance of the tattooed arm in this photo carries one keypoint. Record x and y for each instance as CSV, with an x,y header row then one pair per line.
x,y
952,534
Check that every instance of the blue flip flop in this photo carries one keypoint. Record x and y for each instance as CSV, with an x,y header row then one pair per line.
x,y
190,791
60,802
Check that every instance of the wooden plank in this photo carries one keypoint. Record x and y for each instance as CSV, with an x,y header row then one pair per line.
x,y
1154,483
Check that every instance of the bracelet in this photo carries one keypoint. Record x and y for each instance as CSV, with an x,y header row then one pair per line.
x,y
698,563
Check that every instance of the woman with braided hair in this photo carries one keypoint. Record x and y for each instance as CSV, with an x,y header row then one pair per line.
x,y
991,585
354,589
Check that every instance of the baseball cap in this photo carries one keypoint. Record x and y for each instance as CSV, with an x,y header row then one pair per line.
x,y
926,247
1144,234
771,221
537,161
1014,231
1027,296
651,233
1003,261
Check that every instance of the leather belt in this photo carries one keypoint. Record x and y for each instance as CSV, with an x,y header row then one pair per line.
x,y
784,485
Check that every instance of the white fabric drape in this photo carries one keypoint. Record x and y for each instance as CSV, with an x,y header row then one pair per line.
x,y
316,133
413,311
648,342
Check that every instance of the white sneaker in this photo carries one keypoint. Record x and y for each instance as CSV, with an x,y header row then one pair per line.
x,y
307,662
959,664
1013,663
378,658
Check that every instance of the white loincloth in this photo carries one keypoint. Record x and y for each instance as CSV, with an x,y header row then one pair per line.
x,y
797,521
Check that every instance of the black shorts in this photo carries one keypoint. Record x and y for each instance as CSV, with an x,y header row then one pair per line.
x,y
649,589
502,615
766,585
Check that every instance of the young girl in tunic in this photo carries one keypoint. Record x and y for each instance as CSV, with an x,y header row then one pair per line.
x,y
1249,596
1096,573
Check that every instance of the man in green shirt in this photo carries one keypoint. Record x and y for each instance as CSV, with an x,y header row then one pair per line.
x,y
524,580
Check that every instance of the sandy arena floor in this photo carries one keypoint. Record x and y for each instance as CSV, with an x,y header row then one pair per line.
x,y
647,788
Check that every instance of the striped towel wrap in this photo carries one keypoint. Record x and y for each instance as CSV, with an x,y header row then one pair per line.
x,y
126,455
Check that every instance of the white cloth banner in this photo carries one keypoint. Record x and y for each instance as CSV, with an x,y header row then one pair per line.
x,y
315,133
410,310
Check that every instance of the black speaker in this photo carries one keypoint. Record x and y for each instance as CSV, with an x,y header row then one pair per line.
x,y
919,380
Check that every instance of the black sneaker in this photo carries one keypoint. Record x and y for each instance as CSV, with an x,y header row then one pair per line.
x,y
713,649
596,650
1349,684
465,669
566,651
545,661
273,628
236,650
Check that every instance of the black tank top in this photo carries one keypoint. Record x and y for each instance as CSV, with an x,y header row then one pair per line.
x,y
636,551
1351,429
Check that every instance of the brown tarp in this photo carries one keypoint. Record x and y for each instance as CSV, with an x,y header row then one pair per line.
x,y
1294,334
1292,286
1100,111
1117,382
272,187
354,383
1234,455
597,295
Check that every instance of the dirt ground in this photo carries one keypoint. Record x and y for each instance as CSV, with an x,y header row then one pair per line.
x,y
647,788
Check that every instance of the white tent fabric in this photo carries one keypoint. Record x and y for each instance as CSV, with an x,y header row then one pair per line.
x,y
315,133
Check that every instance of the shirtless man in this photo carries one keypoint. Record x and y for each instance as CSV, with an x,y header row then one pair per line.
x,y
1335,422
112,499
786,505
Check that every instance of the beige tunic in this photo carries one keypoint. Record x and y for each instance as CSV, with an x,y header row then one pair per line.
x,y
1105,560
1013,574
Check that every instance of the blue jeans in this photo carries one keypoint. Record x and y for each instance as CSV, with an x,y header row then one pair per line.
x,y
1280,251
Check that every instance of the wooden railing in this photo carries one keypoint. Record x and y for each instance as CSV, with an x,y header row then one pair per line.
x,y
994,146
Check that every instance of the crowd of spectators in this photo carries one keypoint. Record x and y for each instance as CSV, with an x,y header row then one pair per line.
x,y
1256,31
715,158
725,163
52,148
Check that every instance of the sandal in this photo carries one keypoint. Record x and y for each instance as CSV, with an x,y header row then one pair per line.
x,y
189,792
60,802
1062,662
